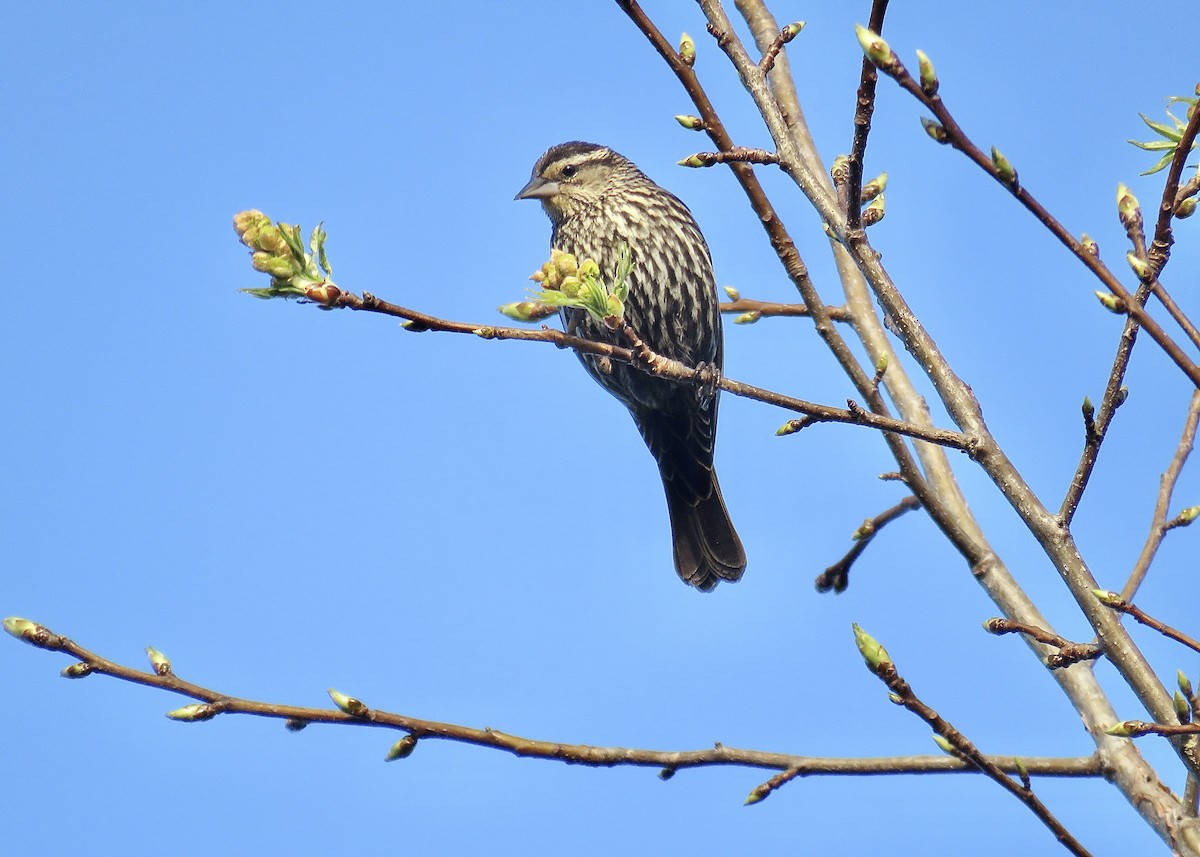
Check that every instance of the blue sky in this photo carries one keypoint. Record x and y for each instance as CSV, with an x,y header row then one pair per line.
x,y
283,499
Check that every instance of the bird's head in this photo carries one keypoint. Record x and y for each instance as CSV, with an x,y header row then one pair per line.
x,y
574,176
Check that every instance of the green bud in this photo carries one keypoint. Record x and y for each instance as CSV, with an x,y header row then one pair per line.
x,y
79,670
1182,710
1128,208
759,793
402,749
1107,598
1186,208
944,744
1022,771
894,698
1185,683
1089,245
193,713
691,161
1089,410
1140,266
747,317
874,187
791,31
20,628
874,212
1004,168
527,311
687,50
1111,302
929,81
881,364
790,427
935,130
615,307
1122,395
1120,730
159,662
864,532
692,123
840,171
348,704
1188,515
588,268
732,293
873,653
875,48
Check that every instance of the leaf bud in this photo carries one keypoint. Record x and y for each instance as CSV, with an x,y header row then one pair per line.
x,y
1140,266
1004,168
692,123
687,50
1128,209
929,81
159,662
193,713
1183,711
876,49
402,749
1111,302
935,130
873,653
78,670
348,704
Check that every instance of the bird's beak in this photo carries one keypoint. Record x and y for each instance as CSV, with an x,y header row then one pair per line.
x,y
538,188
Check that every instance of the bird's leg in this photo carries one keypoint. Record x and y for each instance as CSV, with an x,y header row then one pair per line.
x,y
709,376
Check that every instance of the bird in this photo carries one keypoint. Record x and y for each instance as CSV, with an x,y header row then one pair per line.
x,y
597,201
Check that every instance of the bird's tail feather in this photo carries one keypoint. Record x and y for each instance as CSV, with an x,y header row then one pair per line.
x,y
707,547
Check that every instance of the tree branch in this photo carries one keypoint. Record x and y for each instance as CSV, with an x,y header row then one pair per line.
x,y
215,703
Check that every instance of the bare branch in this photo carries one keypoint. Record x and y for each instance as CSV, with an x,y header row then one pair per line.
x,y
837,576
1159,525
1068,652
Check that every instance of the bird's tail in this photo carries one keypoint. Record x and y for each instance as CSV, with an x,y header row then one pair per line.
x,y
707,547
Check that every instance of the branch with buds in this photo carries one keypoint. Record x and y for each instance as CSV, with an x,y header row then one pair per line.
x,y
349,711
954,742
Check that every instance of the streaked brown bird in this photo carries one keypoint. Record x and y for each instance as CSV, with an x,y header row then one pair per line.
x,y
598,200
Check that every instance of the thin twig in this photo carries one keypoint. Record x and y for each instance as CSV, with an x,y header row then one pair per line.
x,y
958,139
581,754
837,576
863,110
1159,525
661,366
1068,652
766,309
1122,605
734,155
882,666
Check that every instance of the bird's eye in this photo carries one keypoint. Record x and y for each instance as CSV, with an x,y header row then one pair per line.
x,y
569,170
